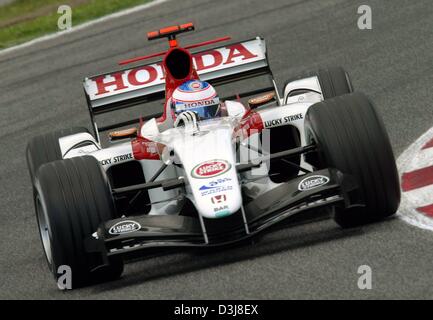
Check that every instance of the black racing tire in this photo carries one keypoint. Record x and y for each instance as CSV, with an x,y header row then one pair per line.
x,y
72,199
45,148
352,138
334,82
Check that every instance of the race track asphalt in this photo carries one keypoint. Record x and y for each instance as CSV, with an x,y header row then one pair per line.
x,y
41,90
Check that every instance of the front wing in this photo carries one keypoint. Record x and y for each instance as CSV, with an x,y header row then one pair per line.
x,y
269,209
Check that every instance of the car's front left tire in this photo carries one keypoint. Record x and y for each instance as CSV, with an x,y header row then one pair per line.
x,y
351,137
72,199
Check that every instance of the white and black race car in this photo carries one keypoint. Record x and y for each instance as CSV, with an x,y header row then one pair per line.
x,y
188,182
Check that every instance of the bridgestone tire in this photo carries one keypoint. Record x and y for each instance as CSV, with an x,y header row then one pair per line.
x,y
334,81
72,199
45,148
352,138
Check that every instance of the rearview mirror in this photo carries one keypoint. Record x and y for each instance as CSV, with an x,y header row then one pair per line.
x,y
261,100
123,134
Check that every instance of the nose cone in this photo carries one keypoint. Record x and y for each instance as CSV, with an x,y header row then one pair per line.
x,y
209,162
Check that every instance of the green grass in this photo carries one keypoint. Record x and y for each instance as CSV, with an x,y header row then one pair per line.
x,y
26,27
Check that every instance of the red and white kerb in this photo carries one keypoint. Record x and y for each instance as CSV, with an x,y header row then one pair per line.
x,y
416,169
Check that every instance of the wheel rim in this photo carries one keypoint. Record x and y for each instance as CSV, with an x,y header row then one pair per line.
x,y
44,230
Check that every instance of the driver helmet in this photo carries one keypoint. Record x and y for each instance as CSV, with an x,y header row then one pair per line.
x,y
196,96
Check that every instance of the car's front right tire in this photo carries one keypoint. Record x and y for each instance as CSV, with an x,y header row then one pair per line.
x,y
72,199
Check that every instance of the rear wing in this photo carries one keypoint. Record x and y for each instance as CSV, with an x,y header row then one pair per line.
x,y
145,83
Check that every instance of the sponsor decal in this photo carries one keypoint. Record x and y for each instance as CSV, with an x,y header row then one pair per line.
x,y
126,226
105,162
191,105
220,208
214,184
312,182
222,211
151,149
216,190
117,159
281,121
273,123
295,117
219,199
209,169
123,157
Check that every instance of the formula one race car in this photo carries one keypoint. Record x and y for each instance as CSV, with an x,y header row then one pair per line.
x,y
207,171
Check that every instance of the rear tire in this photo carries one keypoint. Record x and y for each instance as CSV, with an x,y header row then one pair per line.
x,y
352,138
72,199
45,148
334,82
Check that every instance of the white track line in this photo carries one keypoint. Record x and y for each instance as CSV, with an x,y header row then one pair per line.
x,y
420,197
423,159
406,162
84,25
